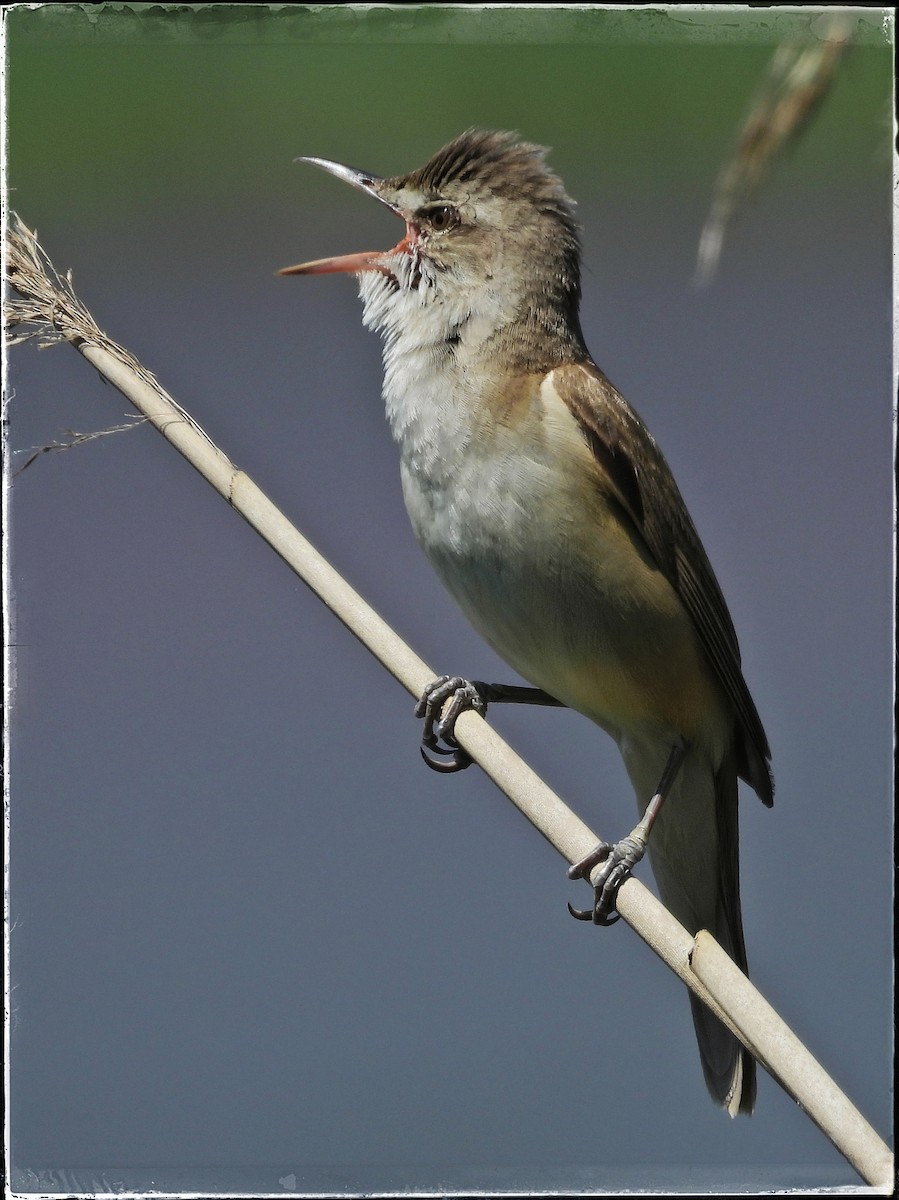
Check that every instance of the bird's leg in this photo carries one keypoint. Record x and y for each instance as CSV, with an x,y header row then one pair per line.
x,y
463,694
623,856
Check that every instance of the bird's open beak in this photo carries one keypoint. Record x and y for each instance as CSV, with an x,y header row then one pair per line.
x,y
367,260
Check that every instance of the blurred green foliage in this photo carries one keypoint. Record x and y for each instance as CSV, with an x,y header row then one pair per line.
x,y
131,104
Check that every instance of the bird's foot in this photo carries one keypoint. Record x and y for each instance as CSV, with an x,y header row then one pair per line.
x,y
437,737
619,860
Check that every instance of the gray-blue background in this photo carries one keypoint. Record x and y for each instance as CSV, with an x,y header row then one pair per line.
x,y
256,945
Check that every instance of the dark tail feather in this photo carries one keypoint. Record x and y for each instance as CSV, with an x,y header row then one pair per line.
x,y
728,1067
694,853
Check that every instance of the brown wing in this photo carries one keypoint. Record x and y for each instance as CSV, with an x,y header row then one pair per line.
x,y
645,488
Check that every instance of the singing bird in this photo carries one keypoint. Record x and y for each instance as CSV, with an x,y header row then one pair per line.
x,y
550,514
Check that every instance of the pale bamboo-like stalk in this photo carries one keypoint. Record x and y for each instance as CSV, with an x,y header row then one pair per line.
x,y
48,304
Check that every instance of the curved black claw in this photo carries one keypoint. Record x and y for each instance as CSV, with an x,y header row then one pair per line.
x,y
459,759
592,914
462,695
619,860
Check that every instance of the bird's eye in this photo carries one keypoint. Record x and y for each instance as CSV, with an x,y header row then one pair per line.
x,y
442,217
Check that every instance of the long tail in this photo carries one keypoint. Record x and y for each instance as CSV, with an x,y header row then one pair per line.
x,y
728,1066
694,854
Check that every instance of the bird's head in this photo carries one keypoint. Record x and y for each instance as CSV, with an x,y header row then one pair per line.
x,y
489,229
